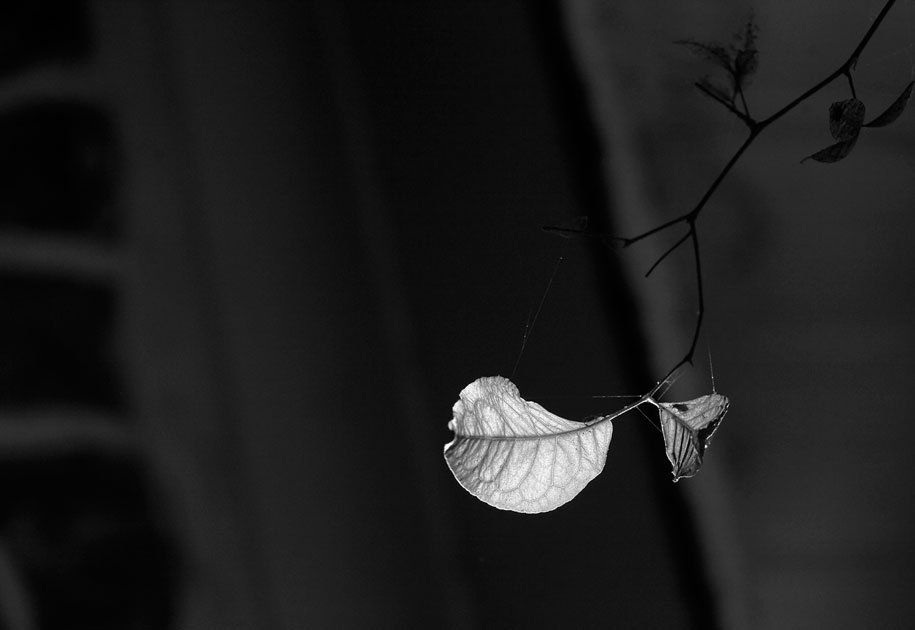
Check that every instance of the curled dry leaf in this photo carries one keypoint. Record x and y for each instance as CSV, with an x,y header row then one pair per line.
x,y
846,118
895,110
688,428
515,455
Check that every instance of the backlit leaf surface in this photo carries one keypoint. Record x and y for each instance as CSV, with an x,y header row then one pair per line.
x,y
515,455
688,428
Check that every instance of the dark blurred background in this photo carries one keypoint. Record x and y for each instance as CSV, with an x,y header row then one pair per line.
x,y
251,252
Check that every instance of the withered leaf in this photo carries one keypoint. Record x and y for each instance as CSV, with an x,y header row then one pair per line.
x,y
688,428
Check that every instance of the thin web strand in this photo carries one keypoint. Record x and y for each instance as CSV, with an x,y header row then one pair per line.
x,y
529,328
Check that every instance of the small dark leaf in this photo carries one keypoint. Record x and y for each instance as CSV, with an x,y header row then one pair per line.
x,y
895,110
833,153
846,118
711,51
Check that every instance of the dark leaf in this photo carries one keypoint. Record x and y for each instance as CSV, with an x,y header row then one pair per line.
x,y
846,118
895,110
833,153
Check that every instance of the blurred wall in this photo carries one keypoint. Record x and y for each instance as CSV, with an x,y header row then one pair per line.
x,y
804,499
357,196
326,222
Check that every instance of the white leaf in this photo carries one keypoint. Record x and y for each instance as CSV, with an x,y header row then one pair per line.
x,y
515,455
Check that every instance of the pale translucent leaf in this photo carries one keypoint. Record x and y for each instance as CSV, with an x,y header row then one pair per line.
x,y
515,455
688,428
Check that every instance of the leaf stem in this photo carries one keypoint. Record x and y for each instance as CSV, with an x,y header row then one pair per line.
x,y
746,109
669,251
700,311
851,84
745,117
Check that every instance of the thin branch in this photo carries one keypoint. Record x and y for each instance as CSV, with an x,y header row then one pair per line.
x,y
667,253
629,241
756,128
746,108
849,65
692,214
726,104
803,97
701,306
700,311
853,60
851,84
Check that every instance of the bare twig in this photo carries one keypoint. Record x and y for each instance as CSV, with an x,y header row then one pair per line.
x,y
851,83
726,104
669,251
747,117
755,129
691,216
